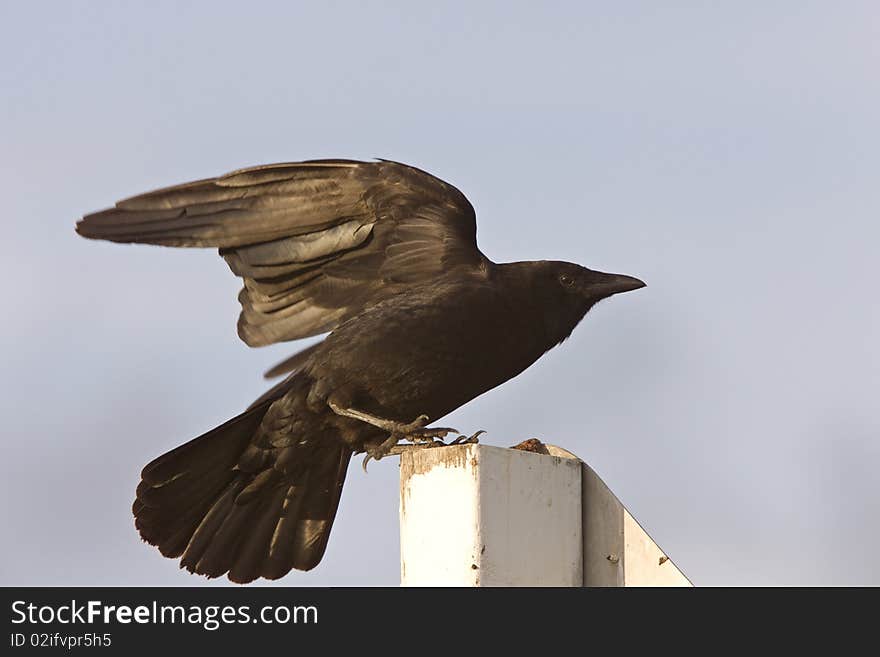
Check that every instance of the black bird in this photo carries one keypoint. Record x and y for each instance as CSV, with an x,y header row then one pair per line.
x,y
384,256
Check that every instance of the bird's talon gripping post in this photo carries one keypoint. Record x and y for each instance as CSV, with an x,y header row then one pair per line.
x,y
430,433
467,440
475,438
381,451
418,440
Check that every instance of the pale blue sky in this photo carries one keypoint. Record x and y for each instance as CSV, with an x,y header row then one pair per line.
x,y
729,156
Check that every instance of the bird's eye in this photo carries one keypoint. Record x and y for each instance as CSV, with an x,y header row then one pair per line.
x,y
566,280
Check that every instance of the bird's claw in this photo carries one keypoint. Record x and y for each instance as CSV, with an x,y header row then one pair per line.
x,y
381,451
430,438
428,434
413,427
466,440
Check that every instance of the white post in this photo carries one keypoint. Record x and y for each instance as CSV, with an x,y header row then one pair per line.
x,y
475,515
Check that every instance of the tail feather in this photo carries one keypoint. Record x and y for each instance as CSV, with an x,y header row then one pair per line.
x,y
225,505
281,545
222,444
253,551
221,546
301,535
207,527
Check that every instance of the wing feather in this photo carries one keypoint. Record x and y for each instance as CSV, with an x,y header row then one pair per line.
x,y
315,242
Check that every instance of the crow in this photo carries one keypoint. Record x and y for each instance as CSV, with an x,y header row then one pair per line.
x,y
381,255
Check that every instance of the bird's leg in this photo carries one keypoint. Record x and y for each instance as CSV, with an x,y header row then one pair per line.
x,y
415,431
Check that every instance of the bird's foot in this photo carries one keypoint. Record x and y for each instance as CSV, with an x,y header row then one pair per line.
x,y
392,446
380,451
461,440
416,430
429,434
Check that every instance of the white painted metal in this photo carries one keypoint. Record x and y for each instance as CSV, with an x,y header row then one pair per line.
x,y
475,515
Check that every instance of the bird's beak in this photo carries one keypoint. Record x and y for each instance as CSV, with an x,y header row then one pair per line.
x,y
604,285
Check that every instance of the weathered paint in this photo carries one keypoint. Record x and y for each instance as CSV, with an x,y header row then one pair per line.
x,y
475,515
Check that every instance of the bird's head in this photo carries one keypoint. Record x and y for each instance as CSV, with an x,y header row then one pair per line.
x,y
567,291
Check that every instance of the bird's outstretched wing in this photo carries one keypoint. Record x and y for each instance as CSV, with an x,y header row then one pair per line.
x,y
315,242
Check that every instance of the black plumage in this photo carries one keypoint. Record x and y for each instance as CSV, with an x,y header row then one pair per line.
x,y
384,256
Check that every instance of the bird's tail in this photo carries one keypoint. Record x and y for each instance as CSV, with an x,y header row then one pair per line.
x,y
207,502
